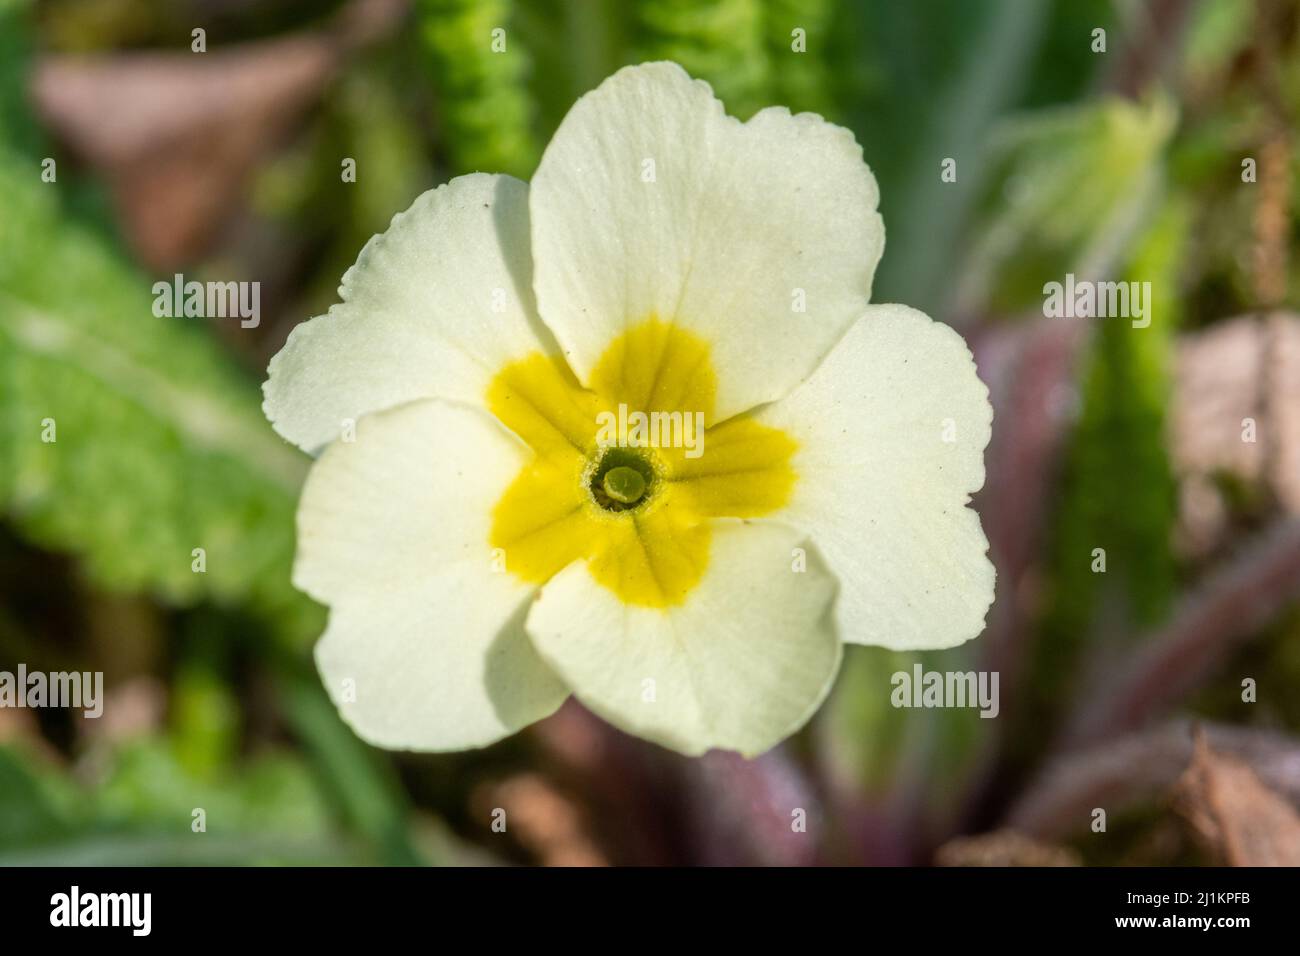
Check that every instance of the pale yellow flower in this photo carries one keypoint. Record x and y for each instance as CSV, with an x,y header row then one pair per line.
x,y
483,555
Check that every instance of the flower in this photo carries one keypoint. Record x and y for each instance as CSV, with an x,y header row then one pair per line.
x,y
484,555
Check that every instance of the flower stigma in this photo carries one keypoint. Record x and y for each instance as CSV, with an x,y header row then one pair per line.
x,y
622,480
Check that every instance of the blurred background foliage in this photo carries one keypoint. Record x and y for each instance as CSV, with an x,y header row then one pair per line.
x,y
1122,162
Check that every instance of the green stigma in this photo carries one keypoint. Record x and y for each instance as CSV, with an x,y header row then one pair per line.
x,y
624,484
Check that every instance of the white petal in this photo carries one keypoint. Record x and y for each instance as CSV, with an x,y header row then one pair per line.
x,y
892,429
741,220
740,665
432,309
425,648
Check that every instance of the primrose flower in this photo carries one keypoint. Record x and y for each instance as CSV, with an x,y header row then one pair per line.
x,y
632,433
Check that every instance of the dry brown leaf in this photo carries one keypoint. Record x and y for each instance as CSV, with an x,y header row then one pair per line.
x,y
1232,812
1243,368
1216,386
1004,848
176,134
542,819
1283,330
1139,769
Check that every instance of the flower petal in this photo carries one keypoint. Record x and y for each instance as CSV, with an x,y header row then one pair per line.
x,y
432,309
740,223
740,665
425,648
891,430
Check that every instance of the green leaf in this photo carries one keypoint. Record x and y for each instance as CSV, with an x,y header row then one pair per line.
x,y
800,80
484,108
920,89
864,734
159,444
17,126
721,41
574,44
364,789
1119,489
142,812
33,805
1068,190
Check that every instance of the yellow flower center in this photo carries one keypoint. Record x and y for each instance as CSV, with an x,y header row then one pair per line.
x,y
636,510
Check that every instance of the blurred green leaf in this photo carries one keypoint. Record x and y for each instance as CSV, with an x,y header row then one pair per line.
x,y
142,812
33,806
1216,32
17,126
160,445
1119,490
721,41
862,733
574,44
801,78
364,121
1068,191
362,786
916,760
484,107
918,90
204,710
